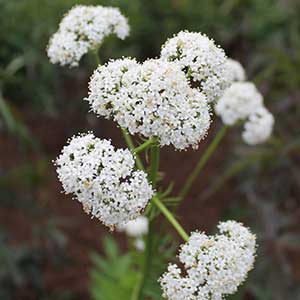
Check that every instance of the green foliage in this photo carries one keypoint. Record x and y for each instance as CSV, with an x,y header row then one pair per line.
x,y
116,275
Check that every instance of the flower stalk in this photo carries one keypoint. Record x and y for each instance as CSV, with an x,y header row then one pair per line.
x,y
202,162
169,216
131,146
144,146
154,166
97,57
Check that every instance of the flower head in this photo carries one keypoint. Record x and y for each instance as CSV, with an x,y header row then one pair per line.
x,y
153,99
258,127
203,62
238,102
214,265
235,70
106,85
103,179
84,28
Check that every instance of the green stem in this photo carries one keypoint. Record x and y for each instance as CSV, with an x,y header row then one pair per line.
x,y
136,290
154,165
147,262
169,216
96,54
143,146
202,162
130,144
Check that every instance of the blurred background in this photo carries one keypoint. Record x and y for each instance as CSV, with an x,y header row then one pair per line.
x,y
46,240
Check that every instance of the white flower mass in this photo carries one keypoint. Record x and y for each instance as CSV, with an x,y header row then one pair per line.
x,y
137,227
214,265
153,99
203,62
258,127
243,102
106,86
103,180
83,28
238,102
235,70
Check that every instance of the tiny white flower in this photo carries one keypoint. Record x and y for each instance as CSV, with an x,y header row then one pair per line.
x,y
203,62
259,126
214,265
103,180
83,28
139,244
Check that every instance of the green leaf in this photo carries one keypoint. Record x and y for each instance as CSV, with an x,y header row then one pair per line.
x,y
110,247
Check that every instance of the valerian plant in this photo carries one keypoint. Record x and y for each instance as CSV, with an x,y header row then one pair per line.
x,y
166,101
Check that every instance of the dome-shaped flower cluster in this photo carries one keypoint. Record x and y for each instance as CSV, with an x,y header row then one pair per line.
x,y
258,127
238,101
214,265
243,102
107,84
84,28
153,99
103,179
203,62
236,72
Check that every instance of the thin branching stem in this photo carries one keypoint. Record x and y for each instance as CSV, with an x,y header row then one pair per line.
x,y
154,167
202,162
130,144
170,217
97,57
143,146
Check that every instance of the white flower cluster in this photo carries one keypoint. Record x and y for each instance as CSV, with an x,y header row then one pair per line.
x,y
214,265
137,227
103,179
236,72
84,28
203,62
238,101
243,102
153,99
107,84
258,127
